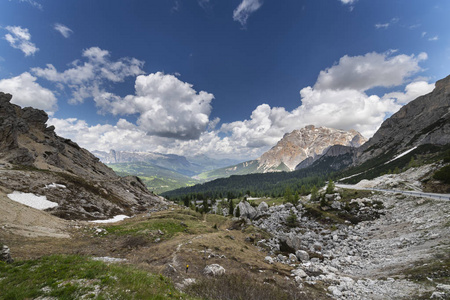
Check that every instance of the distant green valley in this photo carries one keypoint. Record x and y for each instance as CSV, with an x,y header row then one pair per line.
x,y
157,179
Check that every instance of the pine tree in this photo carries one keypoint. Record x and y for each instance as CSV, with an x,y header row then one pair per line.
x,y
230,207
291,220
296,198
288,195
238,211
330,187
314,193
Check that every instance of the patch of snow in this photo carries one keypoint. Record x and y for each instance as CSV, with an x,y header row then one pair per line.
x,y
350,176
401,154
54,186
32,200
113,220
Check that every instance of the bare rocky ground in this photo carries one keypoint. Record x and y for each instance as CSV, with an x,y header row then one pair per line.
x,y
403,254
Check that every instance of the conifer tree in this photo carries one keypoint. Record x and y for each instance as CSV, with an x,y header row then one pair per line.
x,y
314,193
330,187
238,211
230,207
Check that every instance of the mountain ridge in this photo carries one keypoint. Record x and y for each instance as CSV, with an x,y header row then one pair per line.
x,y
425,120
297,149
33,157
310,141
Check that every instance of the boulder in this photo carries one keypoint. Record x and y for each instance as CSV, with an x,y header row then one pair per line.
x,y
302,255
292,257
246,210
299,273
293,241
268,260
263,207
5,255
214,270
336,205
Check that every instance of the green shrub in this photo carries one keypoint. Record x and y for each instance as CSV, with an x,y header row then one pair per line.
x,y
314,193
291,220
330,187
443,174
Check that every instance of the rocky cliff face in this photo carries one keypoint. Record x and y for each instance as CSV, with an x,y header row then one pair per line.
x,y
306,144
425,120
32,157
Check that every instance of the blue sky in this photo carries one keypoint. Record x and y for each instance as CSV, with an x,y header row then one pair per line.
x,y
222,78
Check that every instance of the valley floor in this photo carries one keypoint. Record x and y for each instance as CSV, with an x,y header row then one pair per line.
x,y
402,254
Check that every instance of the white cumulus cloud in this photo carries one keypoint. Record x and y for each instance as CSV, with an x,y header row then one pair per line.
x,y
166,106
412,91
245,9
86,79
20,38
27,92
370,70
63,29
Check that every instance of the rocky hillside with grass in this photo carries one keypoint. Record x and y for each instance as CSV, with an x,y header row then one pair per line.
x,y
33,159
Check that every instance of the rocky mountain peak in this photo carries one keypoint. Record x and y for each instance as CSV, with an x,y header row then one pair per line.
x,y
308,142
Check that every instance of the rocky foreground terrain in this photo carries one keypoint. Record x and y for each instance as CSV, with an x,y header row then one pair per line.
x,y
401,251
352,244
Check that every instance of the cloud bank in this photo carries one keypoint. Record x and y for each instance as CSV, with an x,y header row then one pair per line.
x,y
172,117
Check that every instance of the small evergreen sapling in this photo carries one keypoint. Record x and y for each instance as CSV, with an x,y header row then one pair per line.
x,y
291,220
238,211
330,187
314,193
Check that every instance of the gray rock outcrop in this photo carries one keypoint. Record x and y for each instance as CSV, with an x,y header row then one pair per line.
x,y
263,207
246,210
5,255
214,270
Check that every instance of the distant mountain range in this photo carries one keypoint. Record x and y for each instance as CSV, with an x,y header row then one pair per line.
x,y
295,150
161,172
420,129
164,172
422,121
